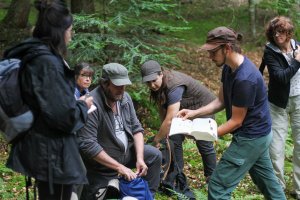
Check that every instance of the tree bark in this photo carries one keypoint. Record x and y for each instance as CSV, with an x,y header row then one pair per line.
x,y
17,14
252,13
80,6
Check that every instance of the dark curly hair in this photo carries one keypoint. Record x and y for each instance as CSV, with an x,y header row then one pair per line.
x,y
279,24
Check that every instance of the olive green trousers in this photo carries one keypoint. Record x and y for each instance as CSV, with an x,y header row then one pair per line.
x,y
242,156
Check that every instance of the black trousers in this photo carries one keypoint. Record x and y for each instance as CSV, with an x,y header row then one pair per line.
x,y
205,148
61,192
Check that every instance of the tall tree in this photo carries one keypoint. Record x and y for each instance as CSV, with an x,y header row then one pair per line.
x,y
122,32
17,14
252,5
80,6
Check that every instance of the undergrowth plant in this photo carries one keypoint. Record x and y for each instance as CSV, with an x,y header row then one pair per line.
x,y
289,8
129,33
122,32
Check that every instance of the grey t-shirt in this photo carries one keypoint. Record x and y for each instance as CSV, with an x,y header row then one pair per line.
x,y
120,132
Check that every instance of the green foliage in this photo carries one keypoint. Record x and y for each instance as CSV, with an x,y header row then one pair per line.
x,y
289,146
179,195
221,117
201,194
224,141
11,184
201,21
282,7
289,8
2,14
130,32
122,32
147,111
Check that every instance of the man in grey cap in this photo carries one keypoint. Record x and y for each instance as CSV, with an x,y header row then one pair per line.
x,y
112,142
243,94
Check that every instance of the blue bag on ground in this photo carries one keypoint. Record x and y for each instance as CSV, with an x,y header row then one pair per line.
x,y
137,188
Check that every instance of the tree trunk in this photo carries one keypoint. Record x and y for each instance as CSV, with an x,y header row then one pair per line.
x,y
17,14
252,4
80,6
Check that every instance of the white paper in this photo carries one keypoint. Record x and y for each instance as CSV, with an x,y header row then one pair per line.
x,y
92,108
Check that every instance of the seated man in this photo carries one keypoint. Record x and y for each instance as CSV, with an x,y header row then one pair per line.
x,y
112,142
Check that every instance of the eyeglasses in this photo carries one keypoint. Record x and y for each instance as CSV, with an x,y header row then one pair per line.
x,y
86,76
279,32
214,51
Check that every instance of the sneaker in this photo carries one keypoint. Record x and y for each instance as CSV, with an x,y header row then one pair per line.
x,y
113,191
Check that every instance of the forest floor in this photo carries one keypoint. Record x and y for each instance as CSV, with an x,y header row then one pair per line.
x,y
197,64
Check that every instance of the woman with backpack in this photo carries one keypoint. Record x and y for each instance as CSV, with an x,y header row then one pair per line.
x,y
49,152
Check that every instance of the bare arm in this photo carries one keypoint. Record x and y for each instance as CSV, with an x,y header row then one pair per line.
x,y
111,163
236,121
139,149
166,124
211,108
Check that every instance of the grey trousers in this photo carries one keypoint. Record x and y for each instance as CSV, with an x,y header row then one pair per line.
x,y
280,123
152,158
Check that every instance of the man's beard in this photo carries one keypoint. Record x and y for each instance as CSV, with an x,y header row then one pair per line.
x,y
111,97
224,61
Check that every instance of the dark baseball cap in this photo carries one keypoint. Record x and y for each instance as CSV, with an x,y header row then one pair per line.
x,y
116,73
150,70
219,36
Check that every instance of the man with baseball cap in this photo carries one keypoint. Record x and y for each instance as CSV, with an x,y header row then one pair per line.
x,y
111,142
243,95
171,91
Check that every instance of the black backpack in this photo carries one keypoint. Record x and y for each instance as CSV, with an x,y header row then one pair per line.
x,y
15,116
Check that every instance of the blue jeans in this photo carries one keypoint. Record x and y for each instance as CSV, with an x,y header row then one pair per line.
x,y
242,156
206,149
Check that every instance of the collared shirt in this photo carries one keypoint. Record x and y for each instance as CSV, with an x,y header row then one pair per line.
x,y
78,94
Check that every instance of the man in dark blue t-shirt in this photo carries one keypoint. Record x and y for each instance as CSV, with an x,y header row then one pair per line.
x,y
245,87
243,95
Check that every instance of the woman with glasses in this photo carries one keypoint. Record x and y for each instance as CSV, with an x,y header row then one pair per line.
x,y
283,62
83,77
